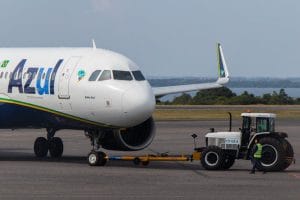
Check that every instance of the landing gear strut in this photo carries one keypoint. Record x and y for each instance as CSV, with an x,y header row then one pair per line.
x,y
96,157
53,144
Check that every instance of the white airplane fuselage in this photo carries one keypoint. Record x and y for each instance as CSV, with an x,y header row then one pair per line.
x,y
99,91
55,81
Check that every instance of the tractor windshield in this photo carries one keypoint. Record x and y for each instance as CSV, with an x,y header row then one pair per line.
x,y
265,124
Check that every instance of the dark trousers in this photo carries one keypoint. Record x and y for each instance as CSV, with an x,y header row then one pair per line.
x,y
255,163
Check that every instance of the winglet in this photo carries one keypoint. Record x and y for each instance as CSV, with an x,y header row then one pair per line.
x,y
222,67
94,44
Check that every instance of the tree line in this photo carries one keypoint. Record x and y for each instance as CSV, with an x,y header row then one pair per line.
x,y
224,96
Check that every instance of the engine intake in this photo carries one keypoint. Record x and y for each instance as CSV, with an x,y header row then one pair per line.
x,y
131,139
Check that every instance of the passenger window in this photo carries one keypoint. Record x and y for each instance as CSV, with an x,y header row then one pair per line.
x,y
122,75
94,75
16,75
138,75
1,74
106,75
6,73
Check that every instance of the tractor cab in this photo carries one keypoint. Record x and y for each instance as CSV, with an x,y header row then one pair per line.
x,y
256,123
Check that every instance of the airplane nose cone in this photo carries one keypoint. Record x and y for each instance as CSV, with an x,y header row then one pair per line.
x,y
138,105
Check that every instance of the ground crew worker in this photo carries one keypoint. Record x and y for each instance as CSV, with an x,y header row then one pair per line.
x,y
256,156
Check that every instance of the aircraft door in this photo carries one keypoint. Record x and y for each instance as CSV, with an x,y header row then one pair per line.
x,y
65,76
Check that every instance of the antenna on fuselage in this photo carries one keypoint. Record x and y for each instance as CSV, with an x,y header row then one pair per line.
x,y
94,44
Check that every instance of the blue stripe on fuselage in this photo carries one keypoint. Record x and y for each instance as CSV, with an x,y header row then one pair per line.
x,y
14,116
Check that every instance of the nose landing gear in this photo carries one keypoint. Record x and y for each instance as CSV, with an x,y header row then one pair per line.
x,y
52,144
96,157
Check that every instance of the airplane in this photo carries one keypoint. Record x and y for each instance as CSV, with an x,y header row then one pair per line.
x,y
95,90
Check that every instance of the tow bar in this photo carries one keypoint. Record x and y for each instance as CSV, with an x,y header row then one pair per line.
x,y
101,158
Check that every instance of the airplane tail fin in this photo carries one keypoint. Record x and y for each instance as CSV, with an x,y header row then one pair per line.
x,y
222,67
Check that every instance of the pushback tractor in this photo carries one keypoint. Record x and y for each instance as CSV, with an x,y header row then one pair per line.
x,y
223,148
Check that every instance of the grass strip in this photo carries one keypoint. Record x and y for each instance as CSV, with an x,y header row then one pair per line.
x,y
192,113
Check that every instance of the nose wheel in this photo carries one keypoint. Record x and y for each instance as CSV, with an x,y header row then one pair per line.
x,y
52,144
97,158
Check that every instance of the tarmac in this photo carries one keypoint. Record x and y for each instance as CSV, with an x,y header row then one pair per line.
x,y
22,176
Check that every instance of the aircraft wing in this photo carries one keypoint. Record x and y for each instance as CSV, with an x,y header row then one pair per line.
x,y
221,81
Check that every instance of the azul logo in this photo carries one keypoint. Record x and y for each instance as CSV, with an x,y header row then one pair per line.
x,y
32,74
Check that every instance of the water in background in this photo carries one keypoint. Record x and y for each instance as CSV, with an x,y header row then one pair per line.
x,y
292,92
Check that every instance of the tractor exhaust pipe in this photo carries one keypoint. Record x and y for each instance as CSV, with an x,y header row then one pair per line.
x,y
230,121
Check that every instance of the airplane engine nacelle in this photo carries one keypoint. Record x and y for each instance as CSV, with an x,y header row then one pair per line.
x,y
131,139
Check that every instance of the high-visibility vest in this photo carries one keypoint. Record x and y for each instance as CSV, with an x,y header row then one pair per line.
x,y
258,153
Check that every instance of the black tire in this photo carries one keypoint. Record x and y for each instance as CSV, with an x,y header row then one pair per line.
x,y
212,158
289,153
145,163
228,162
102,158
97,158
56,147
136,161
273,155
41,147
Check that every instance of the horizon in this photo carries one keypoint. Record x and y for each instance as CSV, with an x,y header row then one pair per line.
x,y
211,77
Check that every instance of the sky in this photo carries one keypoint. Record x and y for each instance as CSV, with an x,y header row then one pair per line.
x,y
260,38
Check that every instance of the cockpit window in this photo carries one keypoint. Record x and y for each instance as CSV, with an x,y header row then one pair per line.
x,y
138,75
122,75
106,75
94,75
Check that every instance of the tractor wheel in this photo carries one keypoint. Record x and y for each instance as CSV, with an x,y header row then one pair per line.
x,y
212,158
289,156
273,154
228,162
